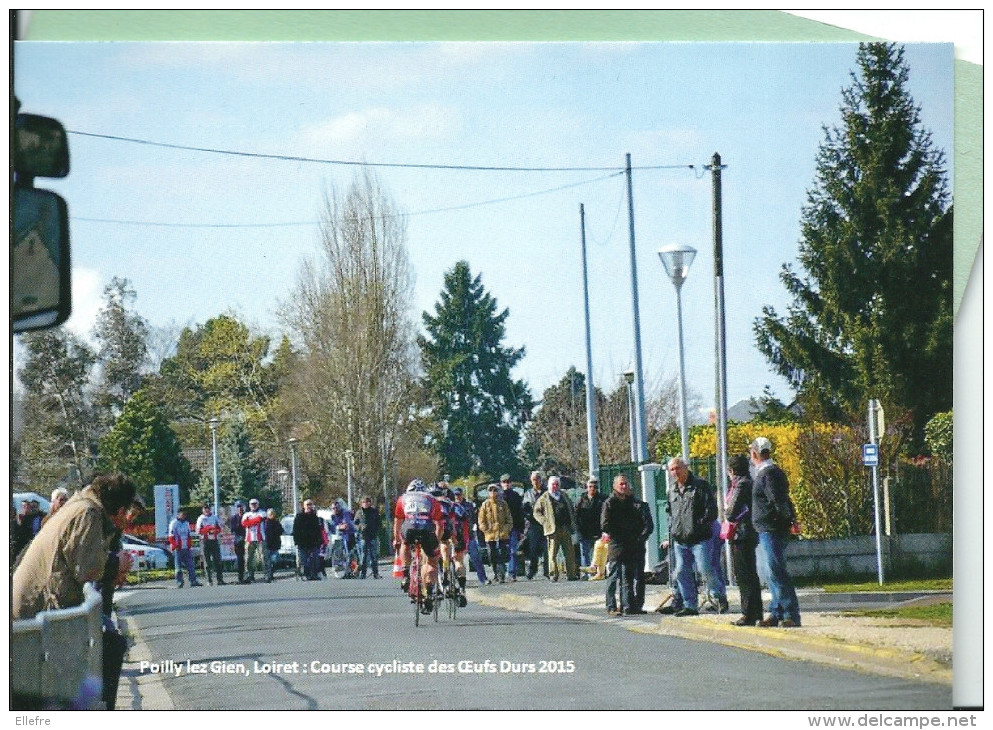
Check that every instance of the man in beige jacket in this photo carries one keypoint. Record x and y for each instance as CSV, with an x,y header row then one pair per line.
x,y
556,515
72,549
495,522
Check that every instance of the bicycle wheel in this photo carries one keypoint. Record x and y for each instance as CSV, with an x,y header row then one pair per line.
x,y
415,586
339,560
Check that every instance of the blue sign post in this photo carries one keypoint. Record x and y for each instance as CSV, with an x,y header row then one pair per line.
x,y
870,455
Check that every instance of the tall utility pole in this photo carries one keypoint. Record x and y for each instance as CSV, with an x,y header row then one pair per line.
x,y
639,385
591,443
721,347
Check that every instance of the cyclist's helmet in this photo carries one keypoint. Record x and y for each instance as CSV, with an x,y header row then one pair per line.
x,y
416,485
437,491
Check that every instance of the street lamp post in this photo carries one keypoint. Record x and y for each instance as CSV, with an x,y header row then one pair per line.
x,y
217,489
293,472
283,474
676,260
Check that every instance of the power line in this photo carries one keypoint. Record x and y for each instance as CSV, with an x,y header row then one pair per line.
x,y
286,224
356,163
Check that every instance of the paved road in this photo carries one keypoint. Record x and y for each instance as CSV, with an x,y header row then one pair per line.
x,y
350,644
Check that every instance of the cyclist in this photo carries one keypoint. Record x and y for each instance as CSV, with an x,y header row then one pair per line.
x,y
418,516
464,516
444,496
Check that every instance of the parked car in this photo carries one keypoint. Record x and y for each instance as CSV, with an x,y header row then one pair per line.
x,y
146,555
21,497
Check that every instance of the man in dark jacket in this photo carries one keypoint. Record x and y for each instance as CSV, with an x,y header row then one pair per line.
x,y
588,511
621,526
537,546
307,538
647,530
693,509
238,533
367,526
773,517
516,504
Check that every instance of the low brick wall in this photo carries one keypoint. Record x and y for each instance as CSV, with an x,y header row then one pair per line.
x,y
857,555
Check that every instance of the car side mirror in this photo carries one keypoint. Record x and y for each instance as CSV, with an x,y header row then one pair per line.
x,y
40,291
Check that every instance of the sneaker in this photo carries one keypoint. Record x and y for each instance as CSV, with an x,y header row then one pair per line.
x,y
686,611
614,612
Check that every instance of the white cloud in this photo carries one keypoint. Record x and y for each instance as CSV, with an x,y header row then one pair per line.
x,y
87,291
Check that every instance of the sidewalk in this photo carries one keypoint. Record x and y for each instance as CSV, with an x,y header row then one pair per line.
x,y
886,646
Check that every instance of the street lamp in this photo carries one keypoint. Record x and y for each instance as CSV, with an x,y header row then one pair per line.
x,y
676,260
629,379
293,471
213,441
282,474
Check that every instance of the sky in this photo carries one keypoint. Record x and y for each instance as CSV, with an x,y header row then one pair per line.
x,y
199,234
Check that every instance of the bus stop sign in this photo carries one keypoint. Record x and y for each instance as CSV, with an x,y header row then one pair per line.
x,y
870,455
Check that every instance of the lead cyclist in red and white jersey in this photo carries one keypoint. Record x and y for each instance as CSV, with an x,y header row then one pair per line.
x,y
418,516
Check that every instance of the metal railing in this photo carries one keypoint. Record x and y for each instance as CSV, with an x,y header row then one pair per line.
x,y
58,654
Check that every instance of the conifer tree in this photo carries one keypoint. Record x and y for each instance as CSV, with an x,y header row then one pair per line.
x,y
871,315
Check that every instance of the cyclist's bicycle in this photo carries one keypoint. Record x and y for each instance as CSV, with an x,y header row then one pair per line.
x,y
338,556
415,585
453,591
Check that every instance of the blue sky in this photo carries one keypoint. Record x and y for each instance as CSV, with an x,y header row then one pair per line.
x,y
670,105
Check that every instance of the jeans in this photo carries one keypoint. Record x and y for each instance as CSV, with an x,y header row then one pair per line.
x,y
184,559
537,548
586,551
700,554
515,537
784,603
370,555
620,573
309,558
477,560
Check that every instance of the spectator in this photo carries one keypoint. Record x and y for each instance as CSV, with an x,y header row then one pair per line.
x,y
59,497
342,524
535,534
496,523
774,518
555,513
208,527
621,525
181,542
516,504
588,511
693,508
273,541
73,550
238,533
465,531
647,530
29,522
367,524
307,538
743,541
254,539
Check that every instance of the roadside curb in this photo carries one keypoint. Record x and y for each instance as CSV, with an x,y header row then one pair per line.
x,y
139,690
786,643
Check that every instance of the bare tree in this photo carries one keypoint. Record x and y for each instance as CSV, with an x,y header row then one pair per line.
x,y
350,313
